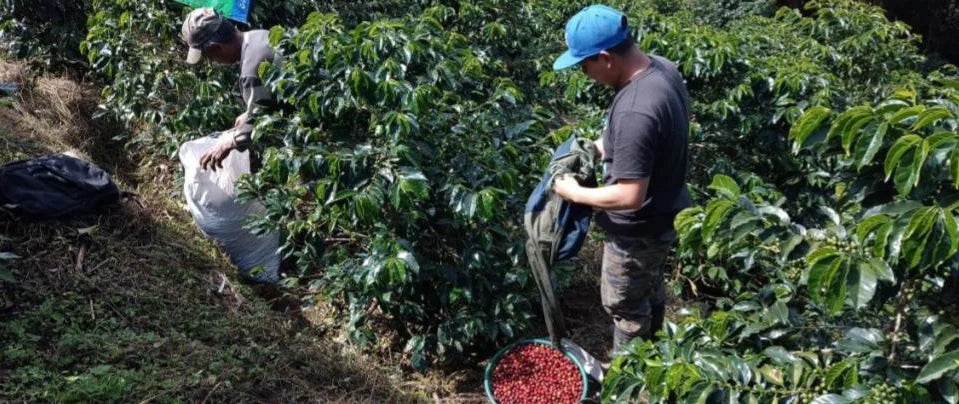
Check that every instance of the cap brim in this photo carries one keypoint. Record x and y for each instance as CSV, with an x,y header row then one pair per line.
x,y
194,55
566,60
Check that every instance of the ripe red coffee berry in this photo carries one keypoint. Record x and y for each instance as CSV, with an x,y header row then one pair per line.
x,y
536,373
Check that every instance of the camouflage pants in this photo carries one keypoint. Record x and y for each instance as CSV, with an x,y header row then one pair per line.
x,y
632,287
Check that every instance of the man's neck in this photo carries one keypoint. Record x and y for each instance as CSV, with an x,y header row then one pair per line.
x,y
238,44
636,64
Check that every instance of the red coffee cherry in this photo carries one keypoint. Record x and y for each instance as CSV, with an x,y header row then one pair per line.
x,y
536,374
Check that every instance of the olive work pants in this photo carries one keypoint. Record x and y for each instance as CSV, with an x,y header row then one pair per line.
x,y
632,287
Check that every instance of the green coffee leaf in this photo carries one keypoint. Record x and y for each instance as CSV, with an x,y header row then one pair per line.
x,y
806,125
929,116
939,366
725,186
869,145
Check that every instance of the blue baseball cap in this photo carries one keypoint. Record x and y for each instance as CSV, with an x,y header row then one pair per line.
x,y
591,31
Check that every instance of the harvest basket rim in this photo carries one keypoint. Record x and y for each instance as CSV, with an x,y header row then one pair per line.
x,y
488,374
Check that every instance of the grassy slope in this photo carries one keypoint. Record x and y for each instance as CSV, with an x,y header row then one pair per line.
x,y
147,317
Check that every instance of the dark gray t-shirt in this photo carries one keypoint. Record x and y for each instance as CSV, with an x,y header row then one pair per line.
x,y
646,137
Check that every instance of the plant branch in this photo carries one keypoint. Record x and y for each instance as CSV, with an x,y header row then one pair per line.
x,y
900,309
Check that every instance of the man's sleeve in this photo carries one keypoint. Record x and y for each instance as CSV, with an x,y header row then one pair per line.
x,y
253,92
635,145
243,138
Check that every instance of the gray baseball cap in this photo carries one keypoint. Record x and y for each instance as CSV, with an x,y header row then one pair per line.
x,y
199,27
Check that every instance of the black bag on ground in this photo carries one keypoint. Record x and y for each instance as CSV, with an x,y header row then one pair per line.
x,y
55,186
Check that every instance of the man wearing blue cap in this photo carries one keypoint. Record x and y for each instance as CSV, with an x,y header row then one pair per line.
x,y
644,154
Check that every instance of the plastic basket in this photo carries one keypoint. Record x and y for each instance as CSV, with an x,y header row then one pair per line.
x,y
488,375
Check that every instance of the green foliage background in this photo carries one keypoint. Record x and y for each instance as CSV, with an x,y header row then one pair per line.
x,y
406,135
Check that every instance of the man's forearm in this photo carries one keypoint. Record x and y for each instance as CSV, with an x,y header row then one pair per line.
x,y
612,197
242,139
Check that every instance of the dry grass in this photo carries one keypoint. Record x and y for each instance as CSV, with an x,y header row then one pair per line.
x,y
153,290
55,111
146,316
59,102
11,72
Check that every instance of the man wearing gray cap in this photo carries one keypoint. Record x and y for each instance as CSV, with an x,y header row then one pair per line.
x,y
212,36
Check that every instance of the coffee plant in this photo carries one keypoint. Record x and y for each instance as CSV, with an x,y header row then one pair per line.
x,y
397,170
161,100
46,34
827,285
405,135
135,47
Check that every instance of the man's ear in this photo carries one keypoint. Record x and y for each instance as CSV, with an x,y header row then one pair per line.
x,y
213,48
606,59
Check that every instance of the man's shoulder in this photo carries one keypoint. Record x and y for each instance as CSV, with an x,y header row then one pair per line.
x,y
652,91
670,72
259,34
639,99
663,62
258,41
256,49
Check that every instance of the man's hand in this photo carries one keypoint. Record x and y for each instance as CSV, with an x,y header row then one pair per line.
x,y
566,187
240,120
599,148
214,158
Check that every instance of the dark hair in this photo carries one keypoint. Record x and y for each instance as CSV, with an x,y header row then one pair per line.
x,y
224,33
623,47
619,49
